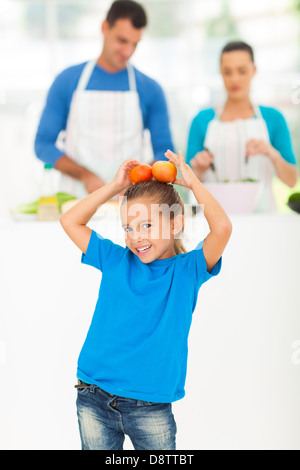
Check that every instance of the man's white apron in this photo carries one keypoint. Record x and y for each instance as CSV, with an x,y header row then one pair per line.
x,y
104,128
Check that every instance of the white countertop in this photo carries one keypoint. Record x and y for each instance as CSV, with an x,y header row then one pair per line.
x,y
243,380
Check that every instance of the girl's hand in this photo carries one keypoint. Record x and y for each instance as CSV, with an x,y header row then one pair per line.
x,y
121,180
188,177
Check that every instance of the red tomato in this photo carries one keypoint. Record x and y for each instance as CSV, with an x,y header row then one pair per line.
x,y
140,173
164,171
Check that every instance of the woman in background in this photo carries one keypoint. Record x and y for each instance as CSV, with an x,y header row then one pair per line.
x,y
241,140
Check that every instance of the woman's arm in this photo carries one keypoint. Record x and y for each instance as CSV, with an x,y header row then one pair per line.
x,y
197,156
219,223
74,220
285,171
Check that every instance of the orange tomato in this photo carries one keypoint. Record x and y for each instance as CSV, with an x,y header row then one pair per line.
x,y
140,173
164,171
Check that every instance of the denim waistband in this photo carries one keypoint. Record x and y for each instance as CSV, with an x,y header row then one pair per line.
x,y
92,387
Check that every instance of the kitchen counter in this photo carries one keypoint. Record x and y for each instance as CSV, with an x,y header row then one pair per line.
x,y
243,383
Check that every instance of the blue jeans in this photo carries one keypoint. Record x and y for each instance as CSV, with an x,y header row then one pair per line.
x,y
104,419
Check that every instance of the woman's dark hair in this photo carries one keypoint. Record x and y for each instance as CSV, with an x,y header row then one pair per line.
x,y
162,194
238,46
127,9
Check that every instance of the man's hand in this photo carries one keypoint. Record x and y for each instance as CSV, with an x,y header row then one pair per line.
x,y
69,167
92,182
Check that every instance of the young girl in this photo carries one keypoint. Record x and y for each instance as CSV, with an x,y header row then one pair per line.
x,y
133,363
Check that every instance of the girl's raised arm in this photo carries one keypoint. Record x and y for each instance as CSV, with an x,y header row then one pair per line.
x,y
218,221
74,220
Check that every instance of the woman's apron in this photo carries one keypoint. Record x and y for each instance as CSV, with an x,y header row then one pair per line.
x,y
227,142
104,128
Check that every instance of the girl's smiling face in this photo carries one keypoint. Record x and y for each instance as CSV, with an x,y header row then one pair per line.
x,y
149,229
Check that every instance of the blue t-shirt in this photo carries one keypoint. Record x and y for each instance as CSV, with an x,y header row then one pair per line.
x,y
137,343
55,114
277,127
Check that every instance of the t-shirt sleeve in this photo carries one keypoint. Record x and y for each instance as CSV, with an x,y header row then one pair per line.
x,y
101,253
197,266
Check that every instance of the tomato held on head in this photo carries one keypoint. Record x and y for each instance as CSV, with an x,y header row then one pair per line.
x,y
164,171
140,173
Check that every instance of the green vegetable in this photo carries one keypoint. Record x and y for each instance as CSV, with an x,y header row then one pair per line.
x,y
32,207
246,180
295,197
64,197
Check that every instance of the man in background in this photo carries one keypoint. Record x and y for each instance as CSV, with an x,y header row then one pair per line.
x,y
96,112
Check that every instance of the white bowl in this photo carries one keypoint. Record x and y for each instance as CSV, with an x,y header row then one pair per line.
x,y
236,198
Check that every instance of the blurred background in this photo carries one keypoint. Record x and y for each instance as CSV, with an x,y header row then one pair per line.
x,y
243,388
180,49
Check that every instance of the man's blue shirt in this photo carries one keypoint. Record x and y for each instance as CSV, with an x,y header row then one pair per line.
x,y
55,114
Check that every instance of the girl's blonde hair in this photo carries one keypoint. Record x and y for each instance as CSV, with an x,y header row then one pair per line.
x,y
160,193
